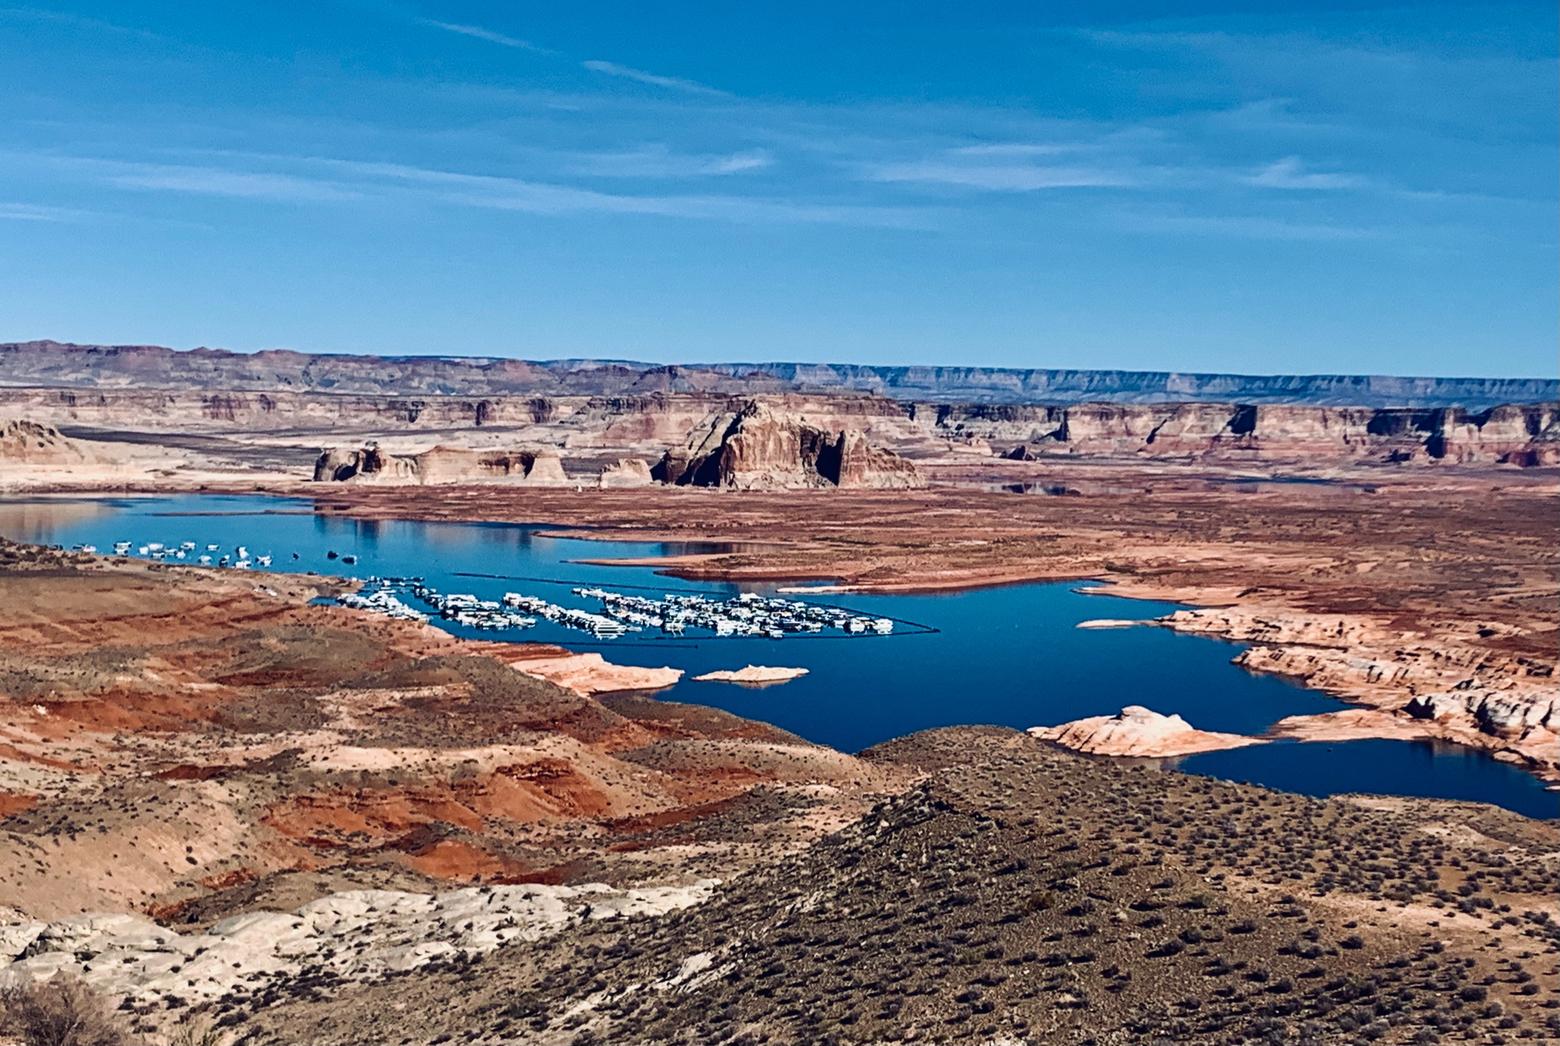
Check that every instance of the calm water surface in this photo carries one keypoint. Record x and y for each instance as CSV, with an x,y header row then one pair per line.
x,y
1009,656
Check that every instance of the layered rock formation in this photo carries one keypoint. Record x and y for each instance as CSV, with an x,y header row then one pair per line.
x,y
442,464
1138,731
757,448
644,423
1524,435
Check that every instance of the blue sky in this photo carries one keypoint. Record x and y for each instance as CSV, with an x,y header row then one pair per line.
x,y
1247,187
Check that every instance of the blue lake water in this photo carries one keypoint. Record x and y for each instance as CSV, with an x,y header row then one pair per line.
x,y
1009,655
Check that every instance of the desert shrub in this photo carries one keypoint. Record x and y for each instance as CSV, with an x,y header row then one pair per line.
x,y
61,1011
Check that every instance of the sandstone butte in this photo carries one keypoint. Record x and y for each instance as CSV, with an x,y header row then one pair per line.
x,y
752,675
441,464
1138,731
760,448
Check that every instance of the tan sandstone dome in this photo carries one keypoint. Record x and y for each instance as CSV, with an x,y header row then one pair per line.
x,y
29,443
1139,731
442,464
626,472
758,448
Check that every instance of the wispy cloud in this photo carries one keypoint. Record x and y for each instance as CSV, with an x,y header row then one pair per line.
x,y
1291,173
673,83
1244,226
492,36
217,181
999,177
657,161
74,21
321,179
1018,149
33,212
533,197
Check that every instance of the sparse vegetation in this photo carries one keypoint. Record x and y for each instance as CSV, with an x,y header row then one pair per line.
x,y
61,1011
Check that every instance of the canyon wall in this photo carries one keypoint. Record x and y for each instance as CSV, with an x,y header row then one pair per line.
x,y
57,364
1524,435
1515,434
585,421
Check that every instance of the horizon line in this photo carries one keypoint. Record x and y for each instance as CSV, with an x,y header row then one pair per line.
x,y
712,364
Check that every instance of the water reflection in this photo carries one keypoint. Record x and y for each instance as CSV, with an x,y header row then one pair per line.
x,y
36,522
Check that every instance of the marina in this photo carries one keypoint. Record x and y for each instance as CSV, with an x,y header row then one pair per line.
x,y
747,614
1009,655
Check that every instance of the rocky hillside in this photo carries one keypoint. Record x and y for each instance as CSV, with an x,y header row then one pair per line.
x,y
56,364
758,448
1022,895
193,744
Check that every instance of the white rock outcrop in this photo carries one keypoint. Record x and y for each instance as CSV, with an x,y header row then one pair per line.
x,y
359,934
752,675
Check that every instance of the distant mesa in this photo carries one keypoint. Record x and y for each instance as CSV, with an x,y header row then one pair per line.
x,y
758,448
61,365
441,464
625,472
752,675
1139,731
